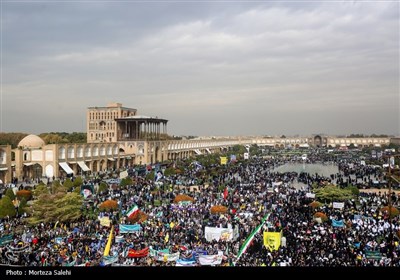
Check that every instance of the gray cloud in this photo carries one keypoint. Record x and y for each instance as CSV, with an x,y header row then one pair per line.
x,y
210,68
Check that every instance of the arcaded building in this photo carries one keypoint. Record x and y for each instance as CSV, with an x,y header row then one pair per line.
x,y
118,137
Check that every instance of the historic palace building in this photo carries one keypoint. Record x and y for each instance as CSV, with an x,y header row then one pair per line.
x,y
118,137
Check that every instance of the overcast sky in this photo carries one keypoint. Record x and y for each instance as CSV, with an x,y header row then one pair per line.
x,y
226,68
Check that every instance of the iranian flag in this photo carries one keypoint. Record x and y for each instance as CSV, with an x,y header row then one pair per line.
x,y
250,238
132,211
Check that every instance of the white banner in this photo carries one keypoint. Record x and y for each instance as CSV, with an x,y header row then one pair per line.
x,y
224,234
166,257
246,155
211,259
338,205
310,195
123,174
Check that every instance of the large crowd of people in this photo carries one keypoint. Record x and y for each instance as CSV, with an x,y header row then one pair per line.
x,y
358,233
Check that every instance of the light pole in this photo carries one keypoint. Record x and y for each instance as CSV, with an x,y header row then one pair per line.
x,y
390,177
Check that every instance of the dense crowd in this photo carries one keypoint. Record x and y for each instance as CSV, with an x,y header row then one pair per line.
x,y
358,234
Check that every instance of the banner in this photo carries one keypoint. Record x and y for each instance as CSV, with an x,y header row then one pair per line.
x,y
160,256
129,228
183,207
188,260
310,195
357,217
214,233
336,223
373,255
58,240
338,205
182,263
138,253
318,220
272,240
224,160
119,239
211,259
109,260
246,155
6,239
156,252
123,174
105,221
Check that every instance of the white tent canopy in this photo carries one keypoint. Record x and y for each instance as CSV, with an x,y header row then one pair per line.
x,y
83,166
66,167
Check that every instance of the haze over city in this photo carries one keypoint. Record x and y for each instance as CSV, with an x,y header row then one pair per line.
x,y
225,68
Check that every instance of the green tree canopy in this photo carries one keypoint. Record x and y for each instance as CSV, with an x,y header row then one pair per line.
x,y
103,186
126,182
6,207
22,206
68,184
10,194
332,193
11,138
55,205
78,181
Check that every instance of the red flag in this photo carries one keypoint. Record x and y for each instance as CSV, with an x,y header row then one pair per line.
x,y
226,192
138,253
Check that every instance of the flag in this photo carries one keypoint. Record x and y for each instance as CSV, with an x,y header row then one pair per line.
x,y
108,246
250,238
138,253
226,192
132,211
166,238
56,225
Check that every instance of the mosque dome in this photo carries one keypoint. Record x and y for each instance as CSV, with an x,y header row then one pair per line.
x,y
31,141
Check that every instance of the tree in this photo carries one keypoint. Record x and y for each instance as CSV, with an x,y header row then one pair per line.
x,y
68,207
12,138
103,187
239,149
108,206
353,189
22,205
40,189
333,193
126,182
55,205
78,181
169,171
27,194
68,184
10,194
150,176
6,207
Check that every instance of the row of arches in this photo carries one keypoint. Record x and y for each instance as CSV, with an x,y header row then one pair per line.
x,y
38,171
180,145
88,151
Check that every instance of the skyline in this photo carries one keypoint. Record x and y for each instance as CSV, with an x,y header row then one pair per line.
x,y
225,68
